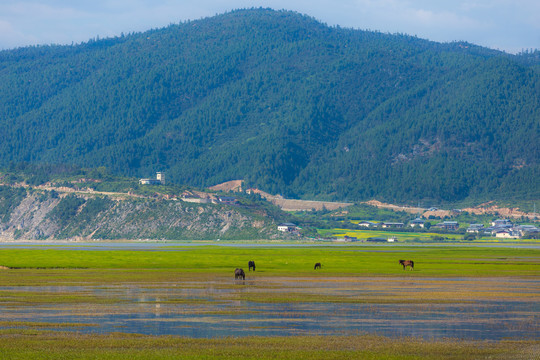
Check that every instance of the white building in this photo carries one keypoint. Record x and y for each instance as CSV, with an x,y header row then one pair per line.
x,y
367,224
475,228
508,234
501,223
287,227
159,180
417,222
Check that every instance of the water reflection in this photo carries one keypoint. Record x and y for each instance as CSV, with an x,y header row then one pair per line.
x,y
214,311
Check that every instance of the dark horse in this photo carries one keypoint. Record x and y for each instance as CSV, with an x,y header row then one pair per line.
x,y
317,266
406,263
251,264
239,274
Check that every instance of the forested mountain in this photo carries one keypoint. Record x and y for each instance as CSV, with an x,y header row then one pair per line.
x,y
288,104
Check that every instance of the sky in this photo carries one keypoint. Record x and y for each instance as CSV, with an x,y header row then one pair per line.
x,y
506,25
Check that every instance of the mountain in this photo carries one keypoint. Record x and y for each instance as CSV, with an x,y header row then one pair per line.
x,y
74,210
286,103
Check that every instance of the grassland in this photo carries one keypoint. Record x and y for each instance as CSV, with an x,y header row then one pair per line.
x,y
34,344
289,261
284,275
400,235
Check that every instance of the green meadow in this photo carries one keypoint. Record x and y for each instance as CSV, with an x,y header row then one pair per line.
x,y
35,344
452,260
284,275
400,235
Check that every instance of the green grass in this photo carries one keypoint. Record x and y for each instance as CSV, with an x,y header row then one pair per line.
x,y
337,260
193,266
35,344
400,235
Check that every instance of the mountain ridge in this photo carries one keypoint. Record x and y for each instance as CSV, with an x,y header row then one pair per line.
x,y
290,105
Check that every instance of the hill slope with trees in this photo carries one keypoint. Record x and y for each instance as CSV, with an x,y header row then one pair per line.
x,y
286,103
86,204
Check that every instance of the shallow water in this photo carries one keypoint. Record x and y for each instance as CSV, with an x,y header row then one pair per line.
x,y
175,245
485,322
211,309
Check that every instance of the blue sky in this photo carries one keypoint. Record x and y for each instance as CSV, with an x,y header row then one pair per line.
x,y
509,25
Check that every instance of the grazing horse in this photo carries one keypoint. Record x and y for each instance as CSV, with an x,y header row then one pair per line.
x,y
406,263
251,264
239,274
317,266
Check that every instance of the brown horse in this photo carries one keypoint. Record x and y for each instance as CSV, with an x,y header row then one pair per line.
x,y
406,263
251,264
317,266
239,274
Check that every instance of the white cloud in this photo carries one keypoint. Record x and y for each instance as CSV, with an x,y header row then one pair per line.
x,y
10,37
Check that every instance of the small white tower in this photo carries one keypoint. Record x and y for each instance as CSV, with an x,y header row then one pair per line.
x,y
160,177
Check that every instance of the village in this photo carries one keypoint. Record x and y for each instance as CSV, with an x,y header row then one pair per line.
x,y
499,228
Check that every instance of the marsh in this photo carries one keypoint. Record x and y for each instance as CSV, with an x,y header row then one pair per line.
x,y
429,308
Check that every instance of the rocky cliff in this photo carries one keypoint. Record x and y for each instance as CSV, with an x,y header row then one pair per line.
x,y
35,214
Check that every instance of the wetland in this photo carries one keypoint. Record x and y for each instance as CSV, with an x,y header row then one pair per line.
x,y
474,295
480,309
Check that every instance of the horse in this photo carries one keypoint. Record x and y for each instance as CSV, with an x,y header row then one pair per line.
x,y
251,264
239,274
317,266
406,263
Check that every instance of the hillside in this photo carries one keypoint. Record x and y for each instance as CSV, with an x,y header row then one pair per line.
x,y
288,104
73,205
